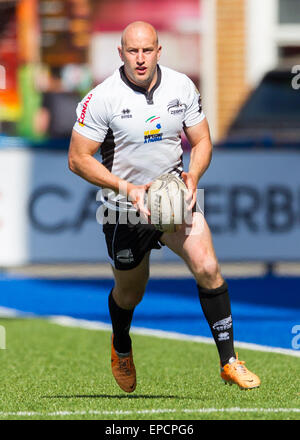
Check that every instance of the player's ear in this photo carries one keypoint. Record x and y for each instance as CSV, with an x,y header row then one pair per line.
x,y
120,52
159,52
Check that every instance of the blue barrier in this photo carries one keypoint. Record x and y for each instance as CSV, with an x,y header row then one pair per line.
x,y
264,309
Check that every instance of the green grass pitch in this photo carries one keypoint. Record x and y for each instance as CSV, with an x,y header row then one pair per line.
x,y
53,372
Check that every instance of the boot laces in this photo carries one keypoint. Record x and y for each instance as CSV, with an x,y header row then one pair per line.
x,y
125,365
239,366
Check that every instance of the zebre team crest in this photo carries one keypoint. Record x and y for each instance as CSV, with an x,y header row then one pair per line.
x,y
176,107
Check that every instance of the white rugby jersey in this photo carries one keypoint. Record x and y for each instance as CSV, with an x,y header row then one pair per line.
x,y
139,130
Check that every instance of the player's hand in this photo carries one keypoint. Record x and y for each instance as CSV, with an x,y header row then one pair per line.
x,y
136,195
191,185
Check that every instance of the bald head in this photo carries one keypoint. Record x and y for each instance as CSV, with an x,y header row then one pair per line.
x,y
140,53
139,29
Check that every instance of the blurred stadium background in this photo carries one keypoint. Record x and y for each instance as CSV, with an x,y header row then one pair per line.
x,y
244,56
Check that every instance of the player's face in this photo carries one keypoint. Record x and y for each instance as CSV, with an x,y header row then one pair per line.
x,y
140,53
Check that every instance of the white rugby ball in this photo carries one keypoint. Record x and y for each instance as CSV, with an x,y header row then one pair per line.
x,y
166,202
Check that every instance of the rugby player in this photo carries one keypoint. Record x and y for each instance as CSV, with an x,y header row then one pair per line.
x,y
135,117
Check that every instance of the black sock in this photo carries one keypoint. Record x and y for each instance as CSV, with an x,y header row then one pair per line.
x,y
121,320
215,304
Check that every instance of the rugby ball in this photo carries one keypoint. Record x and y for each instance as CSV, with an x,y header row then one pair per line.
x,y
166,202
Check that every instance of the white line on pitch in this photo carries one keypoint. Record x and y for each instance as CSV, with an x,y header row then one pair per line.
x,y
67,321
147,411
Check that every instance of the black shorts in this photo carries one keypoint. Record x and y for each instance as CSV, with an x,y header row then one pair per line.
x,y
128,243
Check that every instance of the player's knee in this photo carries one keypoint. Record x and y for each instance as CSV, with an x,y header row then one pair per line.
x,y
211,268
207,270
128,298
130,302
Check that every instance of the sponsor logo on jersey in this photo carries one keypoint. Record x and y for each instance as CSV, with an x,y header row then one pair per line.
x,y
83,111
126,113
153,134
176,107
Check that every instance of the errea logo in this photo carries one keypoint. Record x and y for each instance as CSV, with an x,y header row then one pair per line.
x,y
126,113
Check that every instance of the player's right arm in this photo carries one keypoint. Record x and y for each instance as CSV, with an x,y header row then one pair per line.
x,y
83,163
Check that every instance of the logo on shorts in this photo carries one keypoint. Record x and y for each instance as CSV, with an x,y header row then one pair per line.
x,y
83,111
153,134
125,256
176,107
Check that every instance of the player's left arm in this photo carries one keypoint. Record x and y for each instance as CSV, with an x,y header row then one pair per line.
x,y
201,152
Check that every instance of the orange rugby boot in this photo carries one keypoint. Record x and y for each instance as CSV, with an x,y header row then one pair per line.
x,y
235,372
123,370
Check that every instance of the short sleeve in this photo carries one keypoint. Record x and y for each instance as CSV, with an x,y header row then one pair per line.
x,y
194,113
92,119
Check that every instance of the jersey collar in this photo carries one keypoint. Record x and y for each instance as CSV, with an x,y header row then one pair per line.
x,y
148,94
